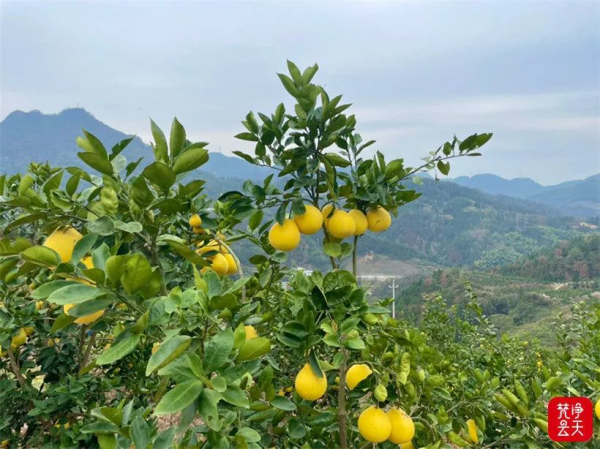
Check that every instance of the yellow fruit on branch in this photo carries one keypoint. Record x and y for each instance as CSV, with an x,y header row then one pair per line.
x,y
378,219
195,221
472,428
308,385
19,339
250,332
3,352
29,330
63,241
219,264
284,237
403,428
356,374
374,425
341,225
310,221
597,409
232,266
360,221
87,319
197,230
408,445
39,305
212,245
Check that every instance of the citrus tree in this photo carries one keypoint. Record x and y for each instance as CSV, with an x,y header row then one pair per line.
x,y
127,317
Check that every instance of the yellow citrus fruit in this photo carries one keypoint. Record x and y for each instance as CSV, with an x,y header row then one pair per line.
x,y
4,443
212,245
379,219
29,330
39,305
597,409
88,262
403,428
197,230
308,385
195,221
289,389
155,347
284,237
310,221
51,342
341,225
63,241
2,352
356,374
325,213
360,221
87,319
472,427
250,332
232,266
374,425
219,264
408,445
19,339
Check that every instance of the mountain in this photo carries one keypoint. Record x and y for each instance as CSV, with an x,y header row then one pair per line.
x,y
495,185
579,198
27,137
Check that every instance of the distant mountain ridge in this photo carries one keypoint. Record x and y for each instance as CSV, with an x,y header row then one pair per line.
x,y
33,136
579,198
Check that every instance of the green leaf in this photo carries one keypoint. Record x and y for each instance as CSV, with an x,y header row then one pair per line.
x,y
115,267
159,174
101,226
190,160
130,227
40,255
107,441
140,433
97,162
88,307
177,139
288,84
119,350
26,182
160,143
45,290
404,368
443,167
283,403
185,251
179,397
82,247
137,273
167,352
119,147
24,219
296,429
94,144
235,396
75,294
332,249
165,439
254,348
100,427
309,73
218,350
246,136
207,408
63,320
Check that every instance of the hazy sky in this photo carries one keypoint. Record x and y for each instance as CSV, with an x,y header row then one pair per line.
x,y
416,72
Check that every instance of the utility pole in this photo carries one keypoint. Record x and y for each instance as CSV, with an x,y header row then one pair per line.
x,y
393,287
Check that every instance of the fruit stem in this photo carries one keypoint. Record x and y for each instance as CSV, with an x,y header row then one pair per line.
x,y
342,401
354,255
15,366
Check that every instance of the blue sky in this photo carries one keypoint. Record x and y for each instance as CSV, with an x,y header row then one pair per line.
x,y
416,72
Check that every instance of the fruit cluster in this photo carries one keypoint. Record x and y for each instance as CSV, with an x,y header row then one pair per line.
x,y
338,224
222,262
374,424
